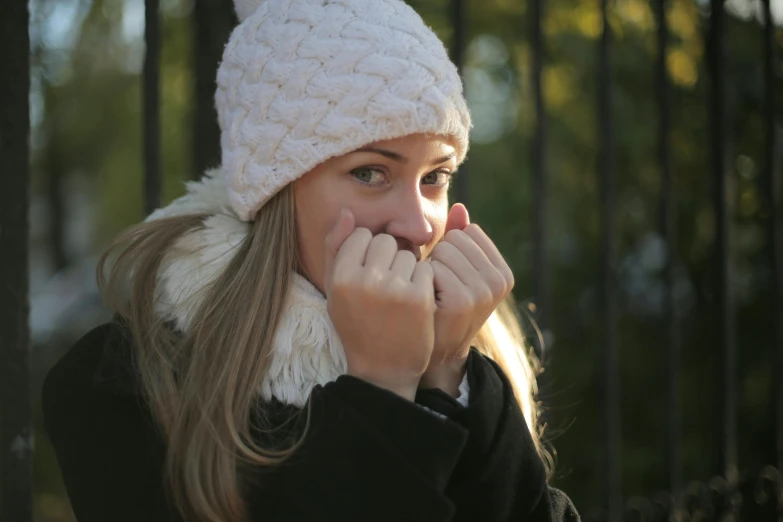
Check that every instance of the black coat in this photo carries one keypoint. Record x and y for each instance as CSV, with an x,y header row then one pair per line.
x,y
369,455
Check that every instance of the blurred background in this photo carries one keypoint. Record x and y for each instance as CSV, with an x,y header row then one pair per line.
x,y
87,184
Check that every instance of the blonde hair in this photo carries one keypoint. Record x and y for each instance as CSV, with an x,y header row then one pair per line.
x,y
203,398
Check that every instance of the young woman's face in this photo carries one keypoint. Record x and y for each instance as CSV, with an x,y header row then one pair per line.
x,y
397,187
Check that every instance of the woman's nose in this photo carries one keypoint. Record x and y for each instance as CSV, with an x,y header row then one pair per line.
x,y
410,223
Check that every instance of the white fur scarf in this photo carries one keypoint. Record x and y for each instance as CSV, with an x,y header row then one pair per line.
x,y
306,351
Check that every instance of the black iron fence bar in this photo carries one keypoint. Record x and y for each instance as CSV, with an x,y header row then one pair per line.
x,y
774,240
538,154
16,436
459,42
611,370
669,227
151,95
213,21
727,459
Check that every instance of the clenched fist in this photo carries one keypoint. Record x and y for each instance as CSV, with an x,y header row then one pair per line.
x,y
471,279
382,304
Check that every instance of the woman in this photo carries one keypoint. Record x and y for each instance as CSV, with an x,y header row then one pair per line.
x,y
310,333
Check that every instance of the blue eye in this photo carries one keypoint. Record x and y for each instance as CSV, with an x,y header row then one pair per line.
x,y
438,178
368,175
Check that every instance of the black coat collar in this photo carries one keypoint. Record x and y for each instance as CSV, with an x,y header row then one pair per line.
x,y
117,370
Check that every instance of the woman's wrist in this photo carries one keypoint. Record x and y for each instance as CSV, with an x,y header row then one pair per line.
x,y
404,388
446,376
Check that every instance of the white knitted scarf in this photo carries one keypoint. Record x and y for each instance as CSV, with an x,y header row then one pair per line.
x,y
306,350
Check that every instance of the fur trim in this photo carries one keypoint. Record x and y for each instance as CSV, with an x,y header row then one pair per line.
x,y
197,259
307,350
205,196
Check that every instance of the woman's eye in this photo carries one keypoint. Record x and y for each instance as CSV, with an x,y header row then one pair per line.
x,y
368,175
437,178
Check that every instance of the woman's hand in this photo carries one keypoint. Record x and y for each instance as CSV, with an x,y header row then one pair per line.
x,y
382,304
471,279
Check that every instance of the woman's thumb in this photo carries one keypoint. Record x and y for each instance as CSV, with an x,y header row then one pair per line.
x,y
458,217
335,239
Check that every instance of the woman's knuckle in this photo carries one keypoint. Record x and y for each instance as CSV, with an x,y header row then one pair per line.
x,y
384,240
362,234
473,229
426,268
421,301
483,295
439,251
373,277
406,255
410,297
341,278
497,282
454,235
463,301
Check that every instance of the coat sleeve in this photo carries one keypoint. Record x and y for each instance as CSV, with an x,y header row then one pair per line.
x,y
367,454
108,449
500,476
560,507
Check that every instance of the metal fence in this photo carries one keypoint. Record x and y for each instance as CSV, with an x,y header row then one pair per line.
x,y
728,496
16,452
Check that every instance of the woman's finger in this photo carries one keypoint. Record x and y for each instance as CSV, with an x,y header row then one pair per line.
x,y
472,251
450,255
334,241
486,245
403,264
495,257
352,253
381,251
422,277
443,277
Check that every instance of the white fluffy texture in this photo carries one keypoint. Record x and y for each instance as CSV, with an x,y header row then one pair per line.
x,y
307,350
197,259
206,196
193,263
302,81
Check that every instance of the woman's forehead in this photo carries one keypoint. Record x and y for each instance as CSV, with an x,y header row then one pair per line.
x,y
417,139
414,146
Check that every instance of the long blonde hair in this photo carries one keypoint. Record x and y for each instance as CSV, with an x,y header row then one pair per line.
x,y
202,397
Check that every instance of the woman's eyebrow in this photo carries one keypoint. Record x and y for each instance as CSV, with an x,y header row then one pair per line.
x,y
400,158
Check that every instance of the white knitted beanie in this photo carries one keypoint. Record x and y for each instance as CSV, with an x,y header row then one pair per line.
x,y
302,81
